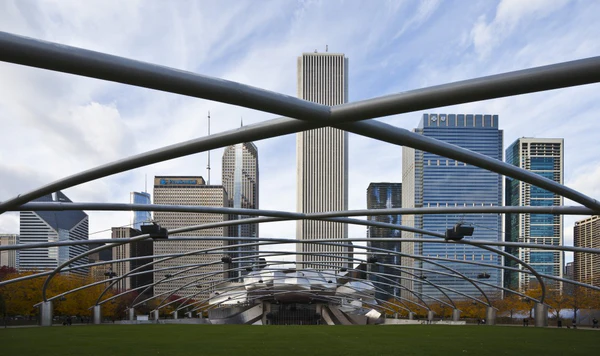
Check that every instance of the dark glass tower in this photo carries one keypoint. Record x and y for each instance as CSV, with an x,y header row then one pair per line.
x,y
385,196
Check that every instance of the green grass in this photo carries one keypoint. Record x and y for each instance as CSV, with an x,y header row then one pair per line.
x,y
234,340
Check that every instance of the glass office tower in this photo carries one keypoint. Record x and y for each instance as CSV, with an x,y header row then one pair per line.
x,y
543,156
385,196
140,217
433,181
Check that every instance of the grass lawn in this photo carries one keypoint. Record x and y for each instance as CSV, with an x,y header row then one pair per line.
x,y
132,340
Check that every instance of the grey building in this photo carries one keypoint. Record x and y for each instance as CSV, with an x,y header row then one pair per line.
x,y
322,159
52,226
240,180
9,258
385,196
137,250
586,266
188,190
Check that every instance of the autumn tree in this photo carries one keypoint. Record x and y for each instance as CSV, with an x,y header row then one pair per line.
x,y
512,304
20,297
557,302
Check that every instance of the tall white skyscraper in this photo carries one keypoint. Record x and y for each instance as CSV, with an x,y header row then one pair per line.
x,y
322,159
543,156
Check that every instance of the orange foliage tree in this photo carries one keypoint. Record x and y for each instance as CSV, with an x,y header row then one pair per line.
x,y
20,297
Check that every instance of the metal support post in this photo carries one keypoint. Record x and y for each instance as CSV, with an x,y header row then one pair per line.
x,y
46,314
540,315
267,310
175,314
131,313
430,314
455,315
97,316
490,316
156,315
411,316
189,315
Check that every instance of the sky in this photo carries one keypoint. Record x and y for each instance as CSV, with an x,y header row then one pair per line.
x,y
53,125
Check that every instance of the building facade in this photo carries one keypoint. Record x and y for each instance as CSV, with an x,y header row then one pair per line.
x,y
429,180
322,160
99,272
141,252
140,218
543,156
53,226
9,258
188,190
586,266
240,180
385,196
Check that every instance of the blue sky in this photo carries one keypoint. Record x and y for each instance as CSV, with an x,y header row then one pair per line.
x,y
53,124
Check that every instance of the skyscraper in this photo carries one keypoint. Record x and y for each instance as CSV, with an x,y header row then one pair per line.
x,y
322,159
136,250
240,179
52,226
186,190
385,196
543,156
430,180
586,266
9,258
140,217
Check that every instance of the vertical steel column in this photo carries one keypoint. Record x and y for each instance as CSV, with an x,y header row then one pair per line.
x,y
490,316
46,313
430,314
131,314
97,315
455,315
156,315
540,315
189,315
411,316
175,314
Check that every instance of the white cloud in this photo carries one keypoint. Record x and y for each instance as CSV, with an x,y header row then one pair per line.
x,y
510,14
53,124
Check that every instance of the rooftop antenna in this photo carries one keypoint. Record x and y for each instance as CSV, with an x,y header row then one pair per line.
x,y
208,166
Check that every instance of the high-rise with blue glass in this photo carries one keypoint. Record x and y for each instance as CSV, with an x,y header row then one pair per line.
x,y
240,180
140,217
429,180
385,196
543,156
